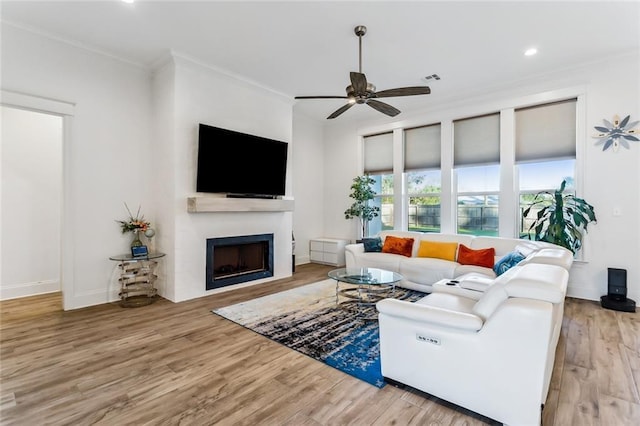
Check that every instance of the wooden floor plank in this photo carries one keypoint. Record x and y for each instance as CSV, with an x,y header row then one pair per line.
x,y
178,363
578,402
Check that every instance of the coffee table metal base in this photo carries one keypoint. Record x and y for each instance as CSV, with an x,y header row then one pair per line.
x,y
362,299
363,288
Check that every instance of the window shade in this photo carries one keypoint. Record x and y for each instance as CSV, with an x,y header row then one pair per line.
x,y
546,131
378,153
476,140
422,148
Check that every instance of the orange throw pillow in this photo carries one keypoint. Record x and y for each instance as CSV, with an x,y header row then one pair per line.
x,y
397,245
481,257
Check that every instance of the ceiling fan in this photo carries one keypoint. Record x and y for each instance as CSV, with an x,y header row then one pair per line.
x,y
362,92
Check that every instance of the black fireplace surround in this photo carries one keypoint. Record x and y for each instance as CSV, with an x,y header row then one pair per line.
x,y
234,260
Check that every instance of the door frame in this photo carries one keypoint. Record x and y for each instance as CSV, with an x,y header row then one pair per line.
x,y
66,110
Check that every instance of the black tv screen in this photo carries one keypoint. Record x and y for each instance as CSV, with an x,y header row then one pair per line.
x,y
240,164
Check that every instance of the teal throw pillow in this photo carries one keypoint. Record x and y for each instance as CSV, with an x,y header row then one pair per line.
x,y
372,244
507,262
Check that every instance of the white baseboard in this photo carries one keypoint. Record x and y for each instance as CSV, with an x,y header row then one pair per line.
x,y
583,293
593,294
97,297
301,260
29,289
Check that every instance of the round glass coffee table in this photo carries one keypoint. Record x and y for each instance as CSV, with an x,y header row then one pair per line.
x,y
362,288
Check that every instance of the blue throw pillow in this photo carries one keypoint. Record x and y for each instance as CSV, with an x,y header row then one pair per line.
x,y
507,262
372,244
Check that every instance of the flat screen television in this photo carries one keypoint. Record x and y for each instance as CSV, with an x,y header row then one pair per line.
x,y
239,164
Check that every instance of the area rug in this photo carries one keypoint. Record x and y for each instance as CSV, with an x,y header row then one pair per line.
x,y
308,320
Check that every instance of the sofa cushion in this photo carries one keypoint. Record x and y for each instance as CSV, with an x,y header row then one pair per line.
x,y
372,245
426,270
388,261
527,247
438,250
538,281
466,269
480,257
551,256
500,244
507,262
398,245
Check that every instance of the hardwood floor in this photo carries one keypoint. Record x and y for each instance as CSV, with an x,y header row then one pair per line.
x,y
177,363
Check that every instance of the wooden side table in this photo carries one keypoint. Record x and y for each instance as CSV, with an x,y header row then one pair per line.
x,y
137,278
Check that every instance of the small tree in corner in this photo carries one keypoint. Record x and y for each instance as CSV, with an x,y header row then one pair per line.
x,y
362,192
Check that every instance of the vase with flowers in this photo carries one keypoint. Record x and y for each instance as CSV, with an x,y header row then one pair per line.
x,y
136,224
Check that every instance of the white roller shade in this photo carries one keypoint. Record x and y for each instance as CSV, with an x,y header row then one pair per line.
x,y
422,148
546,131
476,140
378,153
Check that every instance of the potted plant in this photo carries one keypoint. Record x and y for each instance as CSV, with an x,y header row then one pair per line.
x,y
362,192
561,218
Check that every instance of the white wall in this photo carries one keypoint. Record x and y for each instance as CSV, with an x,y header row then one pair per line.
x,y
610,179
111,158
31,203
163,172
343,162
107,155
308,183
204,95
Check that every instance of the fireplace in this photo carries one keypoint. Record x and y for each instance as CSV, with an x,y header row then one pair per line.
x,y
233,260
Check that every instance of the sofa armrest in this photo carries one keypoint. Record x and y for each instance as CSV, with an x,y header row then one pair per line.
x,y
351,254
354,248
457,289
429,314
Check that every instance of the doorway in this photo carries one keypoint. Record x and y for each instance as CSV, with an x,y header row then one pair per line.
x,y
31,166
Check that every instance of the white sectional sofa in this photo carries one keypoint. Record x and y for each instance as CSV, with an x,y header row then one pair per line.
x,y
420,273
493,355
488,346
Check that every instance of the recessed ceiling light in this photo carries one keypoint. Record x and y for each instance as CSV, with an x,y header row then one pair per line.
x,y
530,52
127,1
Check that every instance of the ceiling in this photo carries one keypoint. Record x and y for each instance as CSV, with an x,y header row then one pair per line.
x,y
308,48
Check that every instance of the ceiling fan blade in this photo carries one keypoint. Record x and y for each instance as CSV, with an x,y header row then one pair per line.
x,y
404,91
383,108
340,110
321,97
359,82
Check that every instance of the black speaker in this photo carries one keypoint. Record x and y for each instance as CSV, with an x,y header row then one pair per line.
x,y
617,283
616,298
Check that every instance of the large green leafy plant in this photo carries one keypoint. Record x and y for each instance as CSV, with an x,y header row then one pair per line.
x,y
362,192
561,218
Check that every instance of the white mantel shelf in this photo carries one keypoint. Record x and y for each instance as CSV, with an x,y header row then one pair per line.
x,y
204,204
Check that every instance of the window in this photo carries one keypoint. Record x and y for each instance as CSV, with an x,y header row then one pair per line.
x,y
545,152
378,163
423,177
384,200
476,161
424,200
452,176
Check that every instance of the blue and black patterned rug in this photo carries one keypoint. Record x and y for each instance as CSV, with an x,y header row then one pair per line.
x,y
308,320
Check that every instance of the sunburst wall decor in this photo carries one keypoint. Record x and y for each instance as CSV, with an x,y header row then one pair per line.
x,y
616,133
